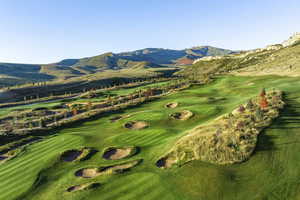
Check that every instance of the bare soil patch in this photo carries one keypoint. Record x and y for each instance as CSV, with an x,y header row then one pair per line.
x,y
136,125
94,172
171,105
113,153
183,115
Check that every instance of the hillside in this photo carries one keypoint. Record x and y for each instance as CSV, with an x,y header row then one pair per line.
x,y
280,59
176,57
152,58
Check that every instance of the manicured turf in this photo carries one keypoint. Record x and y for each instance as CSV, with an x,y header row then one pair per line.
x,y
271,173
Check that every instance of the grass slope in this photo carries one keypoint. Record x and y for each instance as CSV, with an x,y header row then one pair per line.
x,y
271,173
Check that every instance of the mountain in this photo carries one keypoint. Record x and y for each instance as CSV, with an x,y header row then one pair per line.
x,y
176,57
149,58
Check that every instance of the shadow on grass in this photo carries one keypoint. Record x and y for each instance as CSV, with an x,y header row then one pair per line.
x,y
289,119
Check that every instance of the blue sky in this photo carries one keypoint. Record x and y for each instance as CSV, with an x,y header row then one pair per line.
x,y
45,31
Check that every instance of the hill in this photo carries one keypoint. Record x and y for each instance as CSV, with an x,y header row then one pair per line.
x,y
176,57
279,59
151,58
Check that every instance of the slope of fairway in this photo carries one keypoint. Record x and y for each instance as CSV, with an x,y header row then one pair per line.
x,y
271,173
19,174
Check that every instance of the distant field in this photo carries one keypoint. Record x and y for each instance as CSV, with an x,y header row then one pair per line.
x,y
271,173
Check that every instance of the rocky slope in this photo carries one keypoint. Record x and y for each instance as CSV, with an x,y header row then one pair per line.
x,y
279,59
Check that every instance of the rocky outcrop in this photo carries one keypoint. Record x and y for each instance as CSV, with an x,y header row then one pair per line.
x,y
292,40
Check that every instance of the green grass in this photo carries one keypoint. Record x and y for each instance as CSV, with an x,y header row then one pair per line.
x,y
271,173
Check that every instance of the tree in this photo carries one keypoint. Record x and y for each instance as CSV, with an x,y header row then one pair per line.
x,y
263,103
241,109
249,104
263,93
89,105
74,111
42,123
65,114
258,114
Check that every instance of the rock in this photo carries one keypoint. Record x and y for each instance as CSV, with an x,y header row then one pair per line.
x,y
292,40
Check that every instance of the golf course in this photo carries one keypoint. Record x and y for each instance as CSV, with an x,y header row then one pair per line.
x,y
39,172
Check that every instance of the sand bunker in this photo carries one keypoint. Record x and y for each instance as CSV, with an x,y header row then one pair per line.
x,y
119,117
136,125
183,115
83,187
4,158
114,119
75,155
113,153
94,172
164,162
171,105
70,155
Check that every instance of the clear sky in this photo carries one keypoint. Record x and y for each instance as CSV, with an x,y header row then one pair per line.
x,y
45,31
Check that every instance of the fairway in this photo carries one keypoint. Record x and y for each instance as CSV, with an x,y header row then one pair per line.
x,y
271,173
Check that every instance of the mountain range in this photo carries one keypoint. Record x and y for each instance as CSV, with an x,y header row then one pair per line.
x,y
140,60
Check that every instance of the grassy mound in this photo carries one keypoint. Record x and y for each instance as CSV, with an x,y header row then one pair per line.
x,y
230,138
85,186
94,172
113,153
183,115
136,125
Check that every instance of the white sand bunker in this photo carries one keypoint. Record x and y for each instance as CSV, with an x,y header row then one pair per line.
x,y
183,115
136,125
85,186
94,172
171,105
113,153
